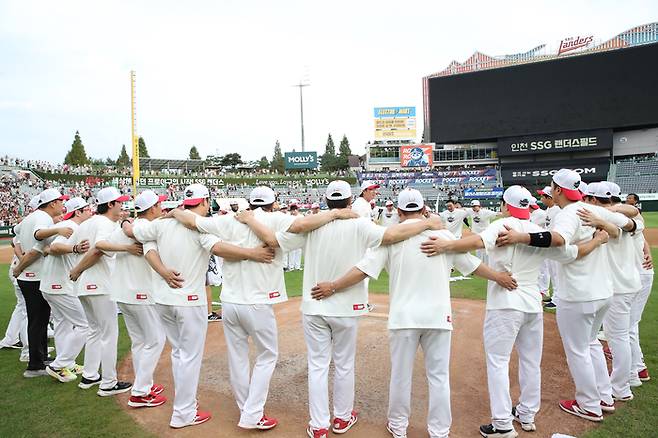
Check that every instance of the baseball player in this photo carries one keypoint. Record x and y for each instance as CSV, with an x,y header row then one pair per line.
x,y
420,313
132,290
550,266
644,263
16,333
513,318
93,275
583,298
71,327
36,227
330,325
250,289
453,218
480,220
367,193
183,312
315,208
294,256
390,215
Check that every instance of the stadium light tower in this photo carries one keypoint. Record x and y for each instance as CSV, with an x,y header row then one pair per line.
x,y
301,85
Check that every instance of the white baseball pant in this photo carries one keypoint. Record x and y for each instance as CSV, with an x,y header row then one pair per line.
x,y
285,262
544,278
147,339
330,338
579,323
186,328
637,307
242,321
403,345
616,325
295,259
71,328
101,348
553,274
17,327
503,329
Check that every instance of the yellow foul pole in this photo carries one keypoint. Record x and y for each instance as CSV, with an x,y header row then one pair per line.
x,y
134,135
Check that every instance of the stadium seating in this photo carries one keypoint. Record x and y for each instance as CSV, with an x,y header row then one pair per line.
x,y
637,176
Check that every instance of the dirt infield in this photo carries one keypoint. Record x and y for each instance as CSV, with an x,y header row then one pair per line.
x,y
288,391
6,253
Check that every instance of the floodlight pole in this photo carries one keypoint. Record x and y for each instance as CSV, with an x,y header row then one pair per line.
x,y
301,85
135,142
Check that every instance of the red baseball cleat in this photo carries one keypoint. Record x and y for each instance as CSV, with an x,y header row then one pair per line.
x,y
644,375
605,407
157,389
316,433
571,407
147,401
342,426
200,418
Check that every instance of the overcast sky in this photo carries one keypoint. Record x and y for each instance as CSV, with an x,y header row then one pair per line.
x,y
219,74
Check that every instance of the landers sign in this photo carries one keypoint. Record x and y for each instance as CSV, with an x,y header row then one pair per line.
x,y
600,139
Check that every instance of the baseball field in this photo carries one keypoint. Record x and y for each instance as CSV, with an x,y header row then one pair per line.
x,y
44,407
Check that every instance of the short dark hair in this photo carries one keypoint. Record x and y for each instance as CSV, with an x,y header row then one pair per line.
x,y
418,210
103,208
603,200
44,206
449,201
634,195
338,203
268,207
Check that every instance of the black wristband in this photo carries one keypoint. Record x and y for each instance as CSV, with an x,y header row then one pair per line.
x,y
541,239
634,226
123,222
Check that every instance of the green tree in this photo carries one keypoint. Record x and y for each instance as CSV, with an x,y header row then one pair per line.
x,y
263,163
143,152
344,152
232,159
194,153
124,159
77,155
329,156
110,162
278,164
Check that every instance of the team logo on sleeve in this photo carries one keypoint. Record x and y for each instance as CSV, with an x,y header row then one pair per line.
x,y
358,307
56,286
274,294
92,287
30,275
141,296
192,298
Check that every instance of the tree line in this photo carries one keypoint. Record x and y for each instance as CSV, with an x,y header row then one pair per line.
x,y
330,161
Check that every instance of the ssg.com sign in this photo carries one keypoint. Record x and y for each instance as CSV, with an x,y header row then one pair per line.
x,y
301,160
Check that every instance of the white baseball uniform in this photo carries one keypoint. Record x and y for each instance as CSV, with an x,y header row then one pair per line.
x,y
637,307
583,299
552,265
419,314
617,322
480,220
71,327
538,217
183,311
362,207
132,290
454,221
330,325
515,318
249,290
389,218
94,288
17,327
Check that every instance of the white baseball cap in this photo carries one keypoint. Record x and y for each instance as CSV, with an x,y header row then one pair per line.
x,y
109,194
389,202
584,188
293,202
365,185
195,194
533,203
72,205
262,195
517,199
283,206
147,199
475,202
315,205
569,181
410,200
546,191
34,202
613,188
50,195
338,190
598,189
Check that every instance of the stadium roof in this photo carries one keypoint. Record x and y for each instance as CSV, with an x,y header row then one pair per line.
x,y
163,163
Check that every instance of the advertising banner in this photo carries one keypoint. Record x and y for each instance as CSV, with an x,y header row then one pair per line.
x,y
483,193
600,139
417,155
395,123
301,160
486,177
595,169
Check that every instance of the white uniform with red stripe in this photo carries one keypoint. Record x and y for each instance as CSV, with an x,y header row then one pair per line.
x,y
132,290
93,289
331,323
248,293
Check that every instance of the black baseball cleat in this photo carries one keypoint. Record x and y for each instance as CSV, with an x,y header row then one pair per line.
x,y
88,383
116,389
488,430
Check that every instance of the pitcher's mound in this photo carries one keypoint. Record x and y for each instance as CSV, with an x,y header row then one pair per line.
x,y
288,401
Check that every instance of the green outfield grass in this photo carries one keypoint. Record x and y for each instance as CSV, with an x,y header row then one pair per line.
x,y
42,407
650,219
